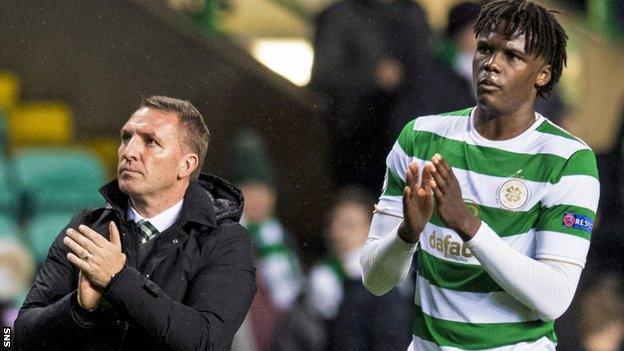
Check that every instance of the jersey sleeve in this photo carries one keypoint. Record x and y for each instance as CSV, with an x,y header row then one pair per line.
x,y
396,164
568,211
385,257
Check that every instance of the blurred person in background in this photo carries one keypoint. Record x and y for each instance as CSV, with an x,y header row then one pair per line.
x,y
279,275
447,85
165,265
17,269
601,323
457,47
366,53
501,252
336,311
459,42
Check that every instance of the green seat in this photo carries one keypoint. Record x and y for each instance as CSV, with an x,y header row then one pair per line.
x,y
8,227
41,230
8,194
58,180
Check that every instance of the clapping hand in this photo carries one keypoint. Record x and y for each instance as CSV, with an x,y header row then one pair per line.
x,y
97,258
417,203
449,201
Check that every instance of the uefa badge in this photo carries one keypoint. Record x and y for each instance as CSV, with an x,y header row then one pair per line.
x,y
513,194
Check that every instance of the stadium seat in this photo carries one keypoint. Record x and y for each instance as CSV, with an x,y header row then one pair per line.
x,y
3,134
8,227
106,150
8,194
58,180
39,123
9,90
41,230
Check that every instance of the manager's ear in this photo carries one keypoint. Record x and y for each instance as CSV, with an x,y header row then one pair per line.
x,y
188,164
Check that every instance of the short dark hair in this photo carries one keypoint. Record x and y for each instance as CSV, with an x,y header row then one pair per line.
x,y
196,135
544,35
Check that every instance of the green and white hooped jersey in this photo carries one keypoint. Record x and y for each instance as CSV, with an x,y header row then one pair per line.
x,y
538,191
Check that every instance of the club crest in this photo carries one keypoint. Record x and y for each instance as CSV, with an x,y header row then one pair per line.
x,y
513,194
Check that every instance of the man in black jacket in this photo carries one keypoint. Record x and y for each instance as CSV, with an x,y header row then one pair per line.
x,y
165,265
366,54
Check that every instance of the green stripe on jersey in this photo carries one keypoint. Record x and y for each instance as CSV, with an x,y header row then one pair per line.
x,y
395,184
406,137
497,162
581,162
503,222
464,112
507,223
549,128
468,336
455,276
552,220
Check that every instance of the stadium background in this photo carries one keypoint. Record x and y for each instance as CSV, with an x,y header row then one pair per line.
x,y
71,73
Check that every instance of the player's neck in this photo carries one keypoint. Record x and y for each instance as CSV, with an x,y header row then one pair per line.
x,y
502,125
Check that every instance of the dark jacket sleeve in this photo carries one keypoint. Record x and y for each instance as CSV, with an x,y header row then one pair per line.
x,y
50,316
216,302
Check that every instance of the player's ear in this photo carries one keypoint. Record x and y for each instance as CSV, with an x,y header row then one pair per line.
x,y
543,76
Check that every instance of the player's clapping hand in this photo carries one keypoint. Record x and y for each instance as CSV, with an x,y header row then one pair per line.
x,y
417,204
449,201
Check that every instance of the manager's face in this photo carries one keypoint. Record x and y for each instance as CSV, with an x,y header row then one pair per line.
x,y
150,154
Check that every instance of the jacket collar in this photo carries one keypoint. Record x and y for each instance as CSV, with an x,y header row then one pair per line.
x,y
198,205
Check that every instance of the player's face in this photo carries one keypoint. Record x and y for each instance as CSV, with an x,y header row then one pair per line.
x,y
150,154
505,77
